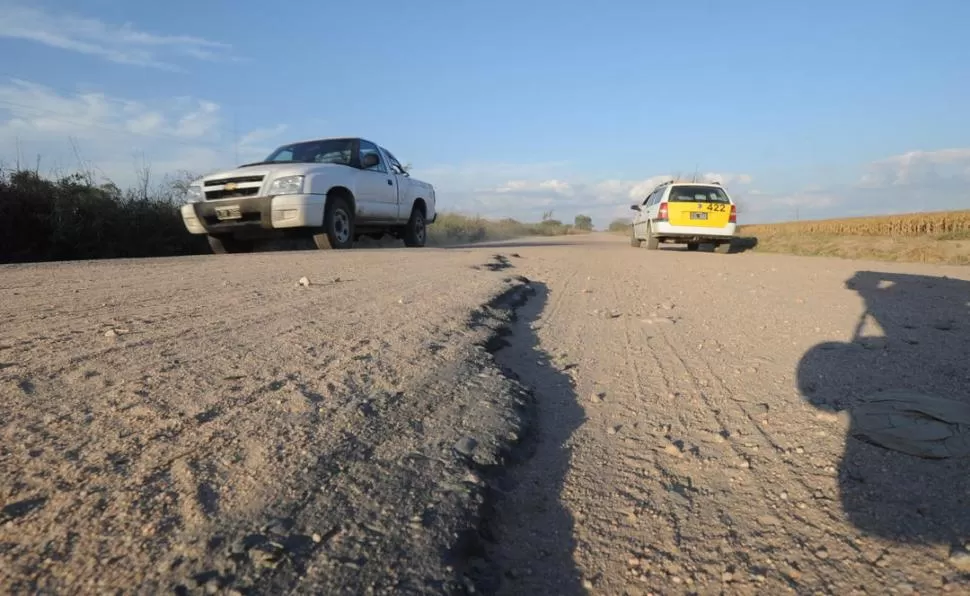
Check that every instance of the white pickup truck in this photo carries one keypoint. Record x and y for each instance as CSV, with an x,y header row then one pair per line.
x,y
335,190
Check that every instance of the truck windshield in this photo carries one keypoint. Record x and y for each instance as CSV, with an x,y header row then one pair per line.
x,y
700,194
325,151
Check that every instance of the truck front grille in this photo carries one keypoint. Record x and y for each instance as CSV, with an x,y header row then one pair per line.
x,y
227,188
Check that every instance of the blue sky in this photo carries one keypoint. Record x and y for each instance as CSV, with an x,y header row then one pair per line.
x,y
511,108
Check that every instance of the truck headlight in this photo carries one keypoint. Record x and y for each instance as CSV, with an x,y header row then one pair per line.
x,y
287,185
193,194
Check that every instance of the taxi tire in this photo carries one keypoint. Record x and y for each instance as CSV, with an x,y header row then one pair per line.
x,y
652,241
692,246
634,241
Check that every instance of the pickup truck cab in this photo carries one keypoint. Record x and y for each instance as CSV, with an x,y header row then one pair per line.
x,y
334,189
691,213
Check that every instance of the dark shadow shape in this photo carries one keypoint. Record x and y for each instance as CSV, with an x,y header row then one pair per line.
x,y
531,527
738,245
498,263
508,244
926,349
21,508
743,244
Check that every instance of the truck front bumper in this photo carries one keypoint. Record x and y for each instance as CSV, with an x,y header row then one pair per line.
x,y
253,214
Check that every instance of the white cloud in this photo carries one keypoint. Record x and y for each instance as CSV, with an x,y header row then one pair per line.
x,y
918,168
122,44
549,187
912,182
116,136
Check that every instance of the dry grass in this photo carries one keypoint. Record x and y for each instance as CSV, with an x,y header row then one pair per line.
x,y
940,237
941,225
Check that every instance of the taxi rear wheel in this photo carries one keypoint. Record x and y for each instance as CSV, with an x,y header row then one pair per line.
x,y
693,245
652,241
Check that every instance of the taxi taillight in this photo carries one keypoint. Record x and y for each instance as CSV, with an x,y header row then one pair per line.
x,y
733,218
662,213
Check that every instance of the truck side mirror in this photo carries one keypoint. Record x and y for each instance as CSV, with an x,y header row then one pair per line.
x,y
370,160
635,207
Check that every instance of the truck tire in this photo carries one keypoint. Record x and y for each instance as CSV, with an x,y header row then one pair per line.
x,y
221,245
338,226
693,245
634,242
652,241
416,231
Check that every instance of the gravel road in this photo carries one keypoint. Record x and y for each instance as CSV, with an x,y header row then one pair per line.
x,y
553,417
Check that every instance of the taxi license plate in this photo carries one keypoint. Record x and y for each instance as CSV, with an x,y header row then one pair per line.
x,y
233,212
698,215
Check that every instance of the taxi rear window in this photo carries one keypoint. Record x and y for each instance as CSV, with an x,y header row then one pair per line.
x,y
697,194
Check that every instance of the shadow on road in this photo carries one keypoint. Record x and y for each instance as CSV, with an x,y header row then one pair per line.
x,y
511,244
533,530
886,490
738,245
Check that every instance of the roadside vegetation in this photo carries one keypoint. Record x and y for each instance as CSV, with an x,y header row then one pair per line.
x,y
938,237
52,218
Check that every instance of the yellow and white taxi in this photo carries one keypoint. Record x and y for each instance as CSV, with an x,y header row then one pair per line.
x,y
691,213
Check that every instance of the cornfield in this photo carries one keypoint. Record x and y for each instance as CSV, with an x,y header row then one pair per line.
x,y
941,224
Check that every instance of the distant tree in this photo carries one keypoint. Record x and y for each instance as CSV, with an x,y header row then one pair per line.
x,y
583,222
620,225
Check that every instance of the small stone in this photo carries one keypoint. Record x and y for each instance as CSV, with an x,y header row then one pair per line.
x,y
727,576
745,464
613,430
799,450
111,333
304,281
466,446
587,584
673,449
316,538
597,397
960,558
822,553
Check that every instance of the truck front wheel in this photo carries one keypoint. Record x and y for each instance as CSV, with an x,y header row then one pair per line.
x,y
416,232
338,226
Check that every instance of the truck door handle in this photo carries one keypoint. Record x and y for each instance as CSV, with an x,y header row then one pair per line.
x,y
389,182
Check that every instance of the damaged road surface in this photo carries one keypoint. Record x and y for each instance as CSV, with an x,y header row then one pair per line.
x,y
208,425
545,417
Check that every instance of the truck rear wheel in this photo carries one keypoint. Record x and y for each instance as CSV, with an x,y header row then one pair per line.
x,y
221,245
338,226
416,231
